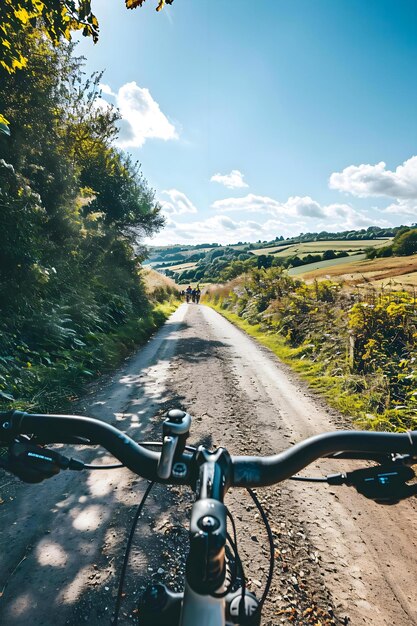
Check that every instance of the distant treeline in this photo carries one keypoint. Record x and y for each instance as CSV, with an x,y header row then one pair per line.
x,y
226,263
217,263
181,252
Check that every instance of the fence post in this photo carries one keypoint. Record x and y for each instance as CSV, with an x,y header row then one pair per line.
x,y
351,351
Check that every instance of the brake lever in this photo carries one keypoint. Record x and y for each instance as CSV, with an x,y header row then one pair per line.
x,y
385,484
33,463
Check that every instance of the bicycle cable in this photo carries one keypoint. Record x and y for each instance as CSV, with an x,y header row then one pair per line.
x,y
271,550
127,553
309,479
233,546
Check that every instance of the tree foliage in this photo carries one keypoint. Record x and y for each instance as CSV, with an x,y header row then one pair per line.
x,y
406,243
57,19
73,208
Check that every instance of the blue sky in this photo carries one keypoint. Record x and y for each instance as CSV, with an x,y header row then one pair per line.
x,y
259,118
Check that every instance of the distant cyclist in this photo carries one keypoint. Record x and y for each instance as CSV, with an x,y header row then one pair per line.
x,y
188,293
197,295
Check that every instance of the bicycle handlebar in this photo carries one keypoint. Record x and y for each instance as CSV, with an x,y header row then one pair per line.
x,y
263,471
247,471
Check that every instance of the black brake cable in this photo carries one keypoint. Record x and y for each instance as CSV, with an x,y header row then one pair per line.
x,y
271,550
233,546
132,532
239,564
309,479
127,553
102,467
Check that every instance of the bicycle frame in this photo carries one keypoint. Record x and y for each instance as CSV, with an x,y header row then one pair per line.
x,y
202,609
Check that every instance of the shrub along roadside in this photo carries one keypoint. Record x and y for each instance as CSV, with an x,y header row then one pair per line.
x,y
46,385
356,350
75,209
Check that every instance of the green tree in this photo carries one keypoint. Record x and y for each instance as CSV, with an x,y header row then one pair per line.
x,y
264,260
329,255
406,243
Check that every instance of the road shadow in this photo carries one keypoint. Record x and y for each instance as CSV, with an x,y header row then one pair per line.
x,y
62,541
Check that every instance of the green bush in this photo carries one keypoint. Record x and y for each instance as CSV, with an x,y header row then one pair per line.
x,y
359,350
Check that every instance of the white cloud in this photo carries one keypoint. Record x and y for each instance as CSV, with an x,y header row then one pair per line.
x,y
219,228
234,180
375,180
106,89
305,206
250,203
178,203
298,217
142,117
403,207
302,211
295,206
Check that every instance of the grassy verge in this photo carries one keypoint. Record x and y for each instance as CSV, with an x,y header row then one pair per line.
x,y
332,388
52,386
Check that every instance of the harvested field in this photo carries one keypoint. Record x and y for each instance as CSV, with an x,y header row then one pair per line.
x,y
396,271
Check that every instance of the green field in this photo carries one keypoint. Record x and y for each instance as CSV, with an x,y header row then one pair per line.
x,y
344,260
318,247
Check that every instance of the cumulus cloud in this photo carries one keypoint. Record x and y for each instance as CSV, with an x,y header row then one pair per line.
x,y
250,203
403,207
300,217
375,180
234,180
299,210
218,228
178,203
106,89
295,205
305,206
142,117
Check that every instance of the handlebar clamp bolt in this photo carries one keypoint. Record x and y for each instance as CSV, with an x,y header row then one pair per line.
x,y
176,416
208,523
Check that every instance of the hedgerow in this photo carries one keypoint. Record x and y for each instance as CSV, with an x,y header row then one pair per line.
x,y
357,348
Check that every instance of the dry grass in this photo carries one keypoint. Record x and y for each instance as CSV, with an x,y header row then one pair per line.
x,y
154,280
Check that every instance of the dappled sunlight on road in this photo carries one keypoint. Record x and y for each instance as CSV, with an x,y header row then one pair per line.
x,y
72,592
21,604
100,485
89,518
49,552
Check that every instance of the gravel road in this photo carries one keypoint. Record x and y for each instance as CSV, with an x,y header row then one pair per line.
x,y
340,559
